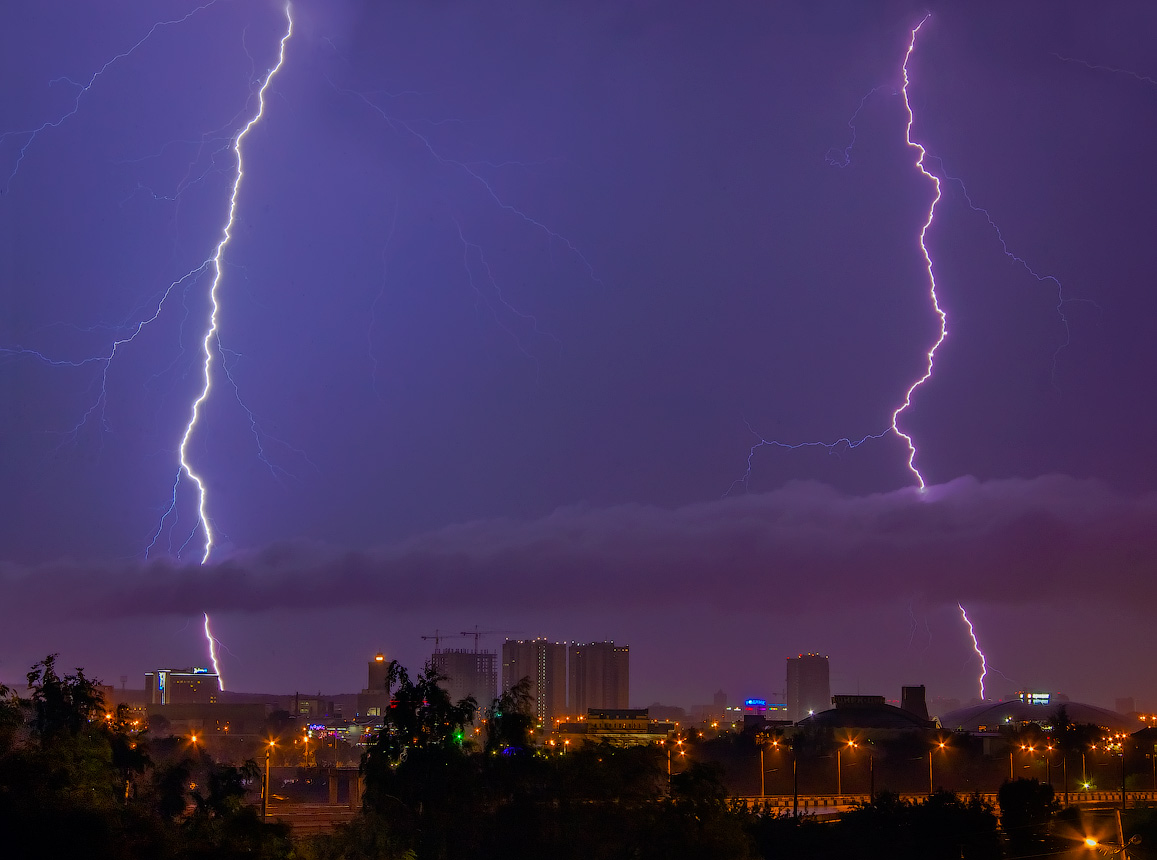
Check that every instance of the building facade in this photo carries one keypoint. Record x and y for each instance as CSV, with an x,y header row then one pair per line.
x,y
544,663
379,669
809,688
599,677
192,686
623,727
468,673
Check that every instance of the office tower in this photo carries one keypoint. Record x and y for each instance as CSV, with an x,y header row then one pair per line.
x,y
599,676
378,670
182,686
468,673
808,687
544,663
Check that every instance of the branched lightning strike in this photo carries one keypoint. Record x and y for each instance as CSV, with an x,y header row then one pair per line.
x,y
1020,261
260,434
1099,68
82,90
840,445
210,343
843,157
472,249
928,265
846,443
976,648
104,361
213,652
401,126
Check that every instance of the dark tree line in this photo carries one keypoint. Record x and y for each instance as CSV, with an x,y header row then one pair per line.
x,y
79,781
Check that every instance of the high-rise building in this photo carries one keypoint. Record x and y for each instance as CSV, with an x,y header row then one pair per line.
x,y
378,670
599,676
192,686
809,688
468,673
544,663
375,698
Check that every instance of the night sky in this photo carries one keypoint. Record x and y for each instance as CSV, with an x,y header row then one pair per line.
x,y
513,290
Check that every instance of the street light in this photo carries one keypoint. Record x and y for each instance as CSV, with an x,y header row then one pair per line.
x,y
839,775
940,746
762,773
678,743
265,792
794,774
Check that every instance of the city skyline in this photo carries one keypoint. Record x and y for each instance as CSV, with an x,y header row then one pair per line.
x,y
601,324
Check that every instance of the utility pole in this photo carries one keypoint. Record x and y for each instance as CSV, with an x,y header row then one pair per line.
x,y
794,786
265,787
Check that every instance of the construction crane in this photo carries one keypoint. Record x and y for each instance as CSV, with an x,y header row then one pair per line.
x,y
477,634
438,636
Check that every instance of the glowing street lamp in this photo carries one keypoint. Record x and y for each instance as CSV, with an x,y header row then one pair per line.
x,y
941,745
265,791
851,745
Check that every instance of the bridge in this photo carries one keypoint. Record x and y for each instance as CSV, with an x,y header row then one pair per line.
x,y
309,818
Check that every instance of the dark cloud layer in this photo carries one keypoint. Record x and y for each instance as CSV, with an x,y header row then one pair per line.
x,y
999,542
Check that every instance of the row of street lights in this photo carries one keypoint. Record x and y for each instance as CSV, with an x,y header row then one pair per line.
x,y
941,745
846,747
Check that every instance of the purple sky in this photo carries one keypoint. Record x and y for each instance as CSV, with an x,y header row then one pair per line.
x,y
513,289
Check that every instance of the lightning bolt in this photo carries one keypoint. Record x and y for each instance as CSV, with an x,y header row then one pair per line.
x,y
125,333
213,652
976,648
931,354
846,443
210,343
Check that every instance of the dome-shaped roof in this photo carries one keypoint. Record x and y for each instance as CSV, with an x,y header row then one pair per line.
x,y
990,716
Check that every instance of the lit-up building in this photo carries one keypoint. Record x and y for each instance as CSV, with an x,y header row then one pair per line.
x,y
379,669
375,698
544,663
192,686
809,688
1034,697
599,676
621,727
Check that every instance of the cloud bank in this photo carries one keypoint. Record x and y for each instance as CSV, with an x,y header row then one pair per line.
x,y
1046,539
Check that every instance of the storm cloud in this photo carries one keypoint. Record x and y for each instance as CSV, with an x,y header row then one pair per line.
x,y
995,541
